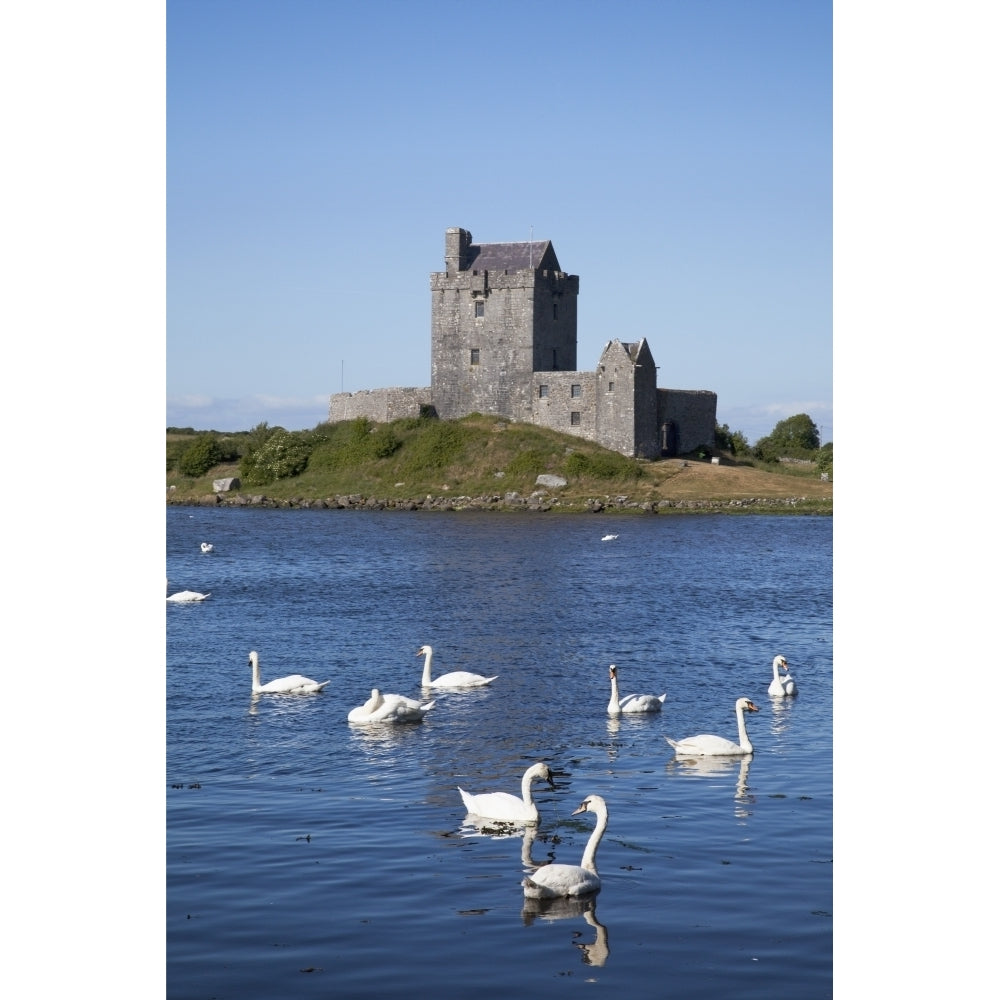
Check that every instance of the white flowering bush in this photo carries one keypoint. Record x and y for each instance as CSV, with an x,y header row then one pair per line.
x,y
283,454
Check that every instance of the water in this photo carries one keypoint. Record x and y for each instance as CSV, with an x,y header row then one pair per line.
x,y
310,858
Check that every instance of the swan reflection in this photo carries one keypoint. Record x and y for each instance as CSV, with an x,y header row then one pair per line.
x,y
498,830
592,953
705,767
780,709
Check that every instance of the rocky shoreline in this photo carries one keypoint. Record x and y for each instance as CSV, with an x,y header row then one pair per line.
x,y
538,501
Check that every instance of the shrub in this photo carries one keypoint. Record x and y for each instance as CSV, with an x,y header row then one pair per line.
x,y
283,454
441,444
734,442
200,455
528,462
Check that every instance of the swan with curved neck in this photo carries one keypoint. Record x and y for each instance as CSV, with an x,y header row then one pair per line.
x,y
389,708
207,547
292,684
718,746
456,679
506,807
555,880
781,687
631,702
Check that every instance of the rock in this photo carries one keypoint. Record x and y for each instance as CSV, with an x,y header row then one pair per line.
x,y
550,481
225,485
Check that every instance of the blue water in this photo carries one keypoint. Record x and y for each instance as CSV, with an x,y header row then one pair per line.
x,y
307,857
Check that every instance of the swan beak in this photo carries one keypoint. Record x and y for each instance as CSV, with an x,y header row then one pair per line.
x,y
752,707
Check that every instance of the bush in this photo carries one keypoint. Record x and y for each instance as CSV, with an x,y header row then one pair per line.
x,y
527,462
282,455
200,455
734,442
440,445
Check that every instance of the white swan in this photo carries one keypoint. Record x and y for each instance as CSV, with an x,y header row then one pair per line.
x,y
456,679
293,684
718,746
781,687
389,708
506,807
631,702
609,538
184,596
207,547
555,880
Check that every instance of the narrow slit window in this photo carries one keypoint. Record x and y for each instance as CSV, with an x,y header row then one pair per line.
x,y
611,387
543,390
480,308
474,356
574,419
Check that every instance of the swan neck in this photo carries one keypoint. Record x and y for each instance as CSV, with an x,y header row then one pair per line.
x,y
255,673
427,668
614,706
741,725
589,860
526,789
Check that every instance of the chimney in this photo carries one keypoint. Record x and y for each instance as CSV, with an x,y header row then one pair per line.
x,y
456,250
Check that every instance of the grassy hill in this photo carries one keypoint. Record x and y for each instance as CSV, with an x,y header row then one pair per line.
x,y
476,457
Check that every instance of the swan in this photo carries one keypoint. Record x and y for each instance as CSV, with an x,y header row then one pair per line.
x,y
293,684
207,547
389,708
631,702
184,596
717,746
456,679
506,807
781,687
609,538
555,880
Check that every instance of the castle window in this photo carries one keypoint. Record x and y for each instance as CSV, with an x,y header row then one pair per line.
x,y
574,419
480,308
611,387
543,390
574,391
474,356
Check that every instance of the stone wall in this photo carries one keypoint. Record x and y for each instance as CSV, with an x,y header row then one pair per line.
x,y
557,396
490,330
379,405
692,414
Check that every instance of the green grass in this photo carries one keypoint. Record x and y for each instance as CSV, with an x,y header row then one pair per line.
x,y
474,456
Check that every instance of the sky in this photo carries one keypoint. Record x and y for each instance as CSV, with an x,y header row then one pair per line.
x,y
678,154
104,255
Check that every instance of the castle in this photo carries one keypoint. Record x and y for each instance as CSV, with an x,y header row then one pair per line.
x,y
503,342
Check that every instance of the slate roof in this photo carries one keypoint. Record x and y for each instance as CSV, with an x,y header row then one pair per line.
x,y
512,256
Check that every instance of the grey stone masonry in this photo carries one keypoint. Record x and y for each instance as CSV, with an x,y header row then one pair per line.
x,y
504,342
381,406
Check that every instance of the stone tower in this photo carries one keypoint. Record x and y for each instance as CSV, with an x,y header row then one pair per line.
x,y
499,313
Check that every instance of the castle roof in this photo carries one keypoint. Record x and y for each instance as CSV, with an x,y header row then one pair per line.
x,y
537,254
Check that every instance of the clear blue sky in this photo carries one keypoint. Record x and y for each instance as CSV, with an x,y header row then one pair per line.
x,y
678,153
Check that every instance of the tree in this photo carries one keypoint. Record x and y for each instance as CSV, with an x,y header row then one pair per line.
x,y
734,442
792,438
